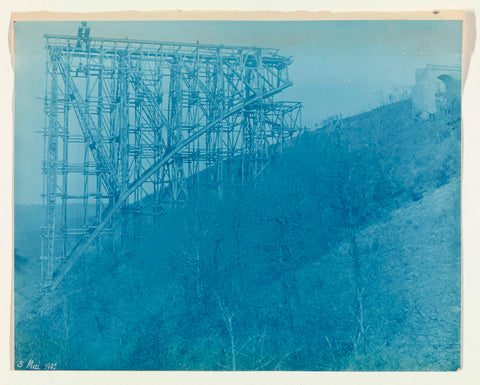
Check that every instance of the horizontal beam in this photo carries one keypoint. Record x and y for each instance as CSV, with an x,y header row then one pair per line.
x,y
159,44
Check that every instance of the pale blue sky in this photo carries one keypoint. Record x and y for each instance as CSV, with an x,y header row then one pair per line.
x,y
339,66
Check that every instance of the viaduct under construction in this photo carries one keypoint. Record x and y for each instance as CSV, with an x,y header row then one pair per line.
x,y
132,126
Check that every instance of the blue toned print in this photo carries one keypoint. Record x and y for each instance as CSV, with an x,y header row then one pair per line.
x,y
237,195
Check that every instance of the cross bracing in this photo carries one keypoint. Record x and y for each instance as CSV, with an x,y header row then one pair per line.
x,y
132,126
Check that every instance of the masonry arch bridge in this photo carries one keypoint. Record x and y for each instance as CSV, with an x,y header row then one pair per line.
x,y
436,87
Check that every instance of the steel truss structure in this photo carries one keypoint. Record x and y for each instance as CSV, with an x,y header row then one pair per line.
x,y
133,126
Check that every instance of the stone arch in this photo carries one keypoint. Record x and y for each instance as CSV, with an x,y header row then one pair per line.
x,y
449,84
436,87
447,94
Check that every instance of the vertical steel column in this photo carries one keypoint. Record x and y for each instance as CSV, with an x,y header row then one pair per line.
x,y
158,128
177,181
66,109
48,260
98,187
123,138
87,149
137,150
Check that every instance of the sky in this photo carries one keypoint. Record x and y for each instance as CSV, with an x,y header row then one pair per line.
x,y
340,67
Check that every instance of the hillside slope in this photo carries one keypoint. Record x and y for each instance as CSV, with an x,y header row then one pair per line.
x,y
343,254
409,278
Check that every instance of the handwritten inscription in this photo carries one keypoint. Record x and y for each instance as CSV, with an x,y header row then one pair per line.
x,y
36,365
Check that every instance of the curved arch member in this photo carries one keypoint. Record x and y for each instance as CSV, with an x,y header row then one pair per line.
x,y
83,245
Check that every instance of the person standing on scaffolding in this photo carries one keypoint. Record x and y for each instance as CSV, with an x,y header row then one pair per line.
x,y
83,35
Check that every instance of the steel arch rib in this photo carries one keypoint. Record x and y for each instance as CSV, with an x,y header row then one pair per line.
x,y
83,245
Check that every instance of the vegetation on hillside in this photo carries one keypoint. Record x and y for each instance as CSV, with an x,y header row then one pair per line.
x,y
344,254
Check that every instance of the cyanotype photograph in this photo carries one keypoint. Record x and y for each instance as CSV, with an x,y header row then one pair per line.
x,y
237,195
